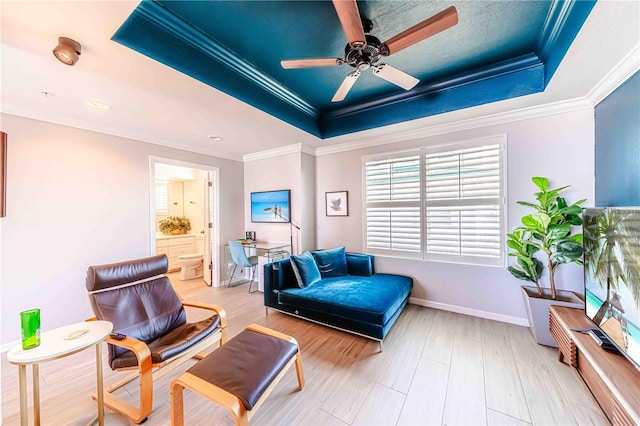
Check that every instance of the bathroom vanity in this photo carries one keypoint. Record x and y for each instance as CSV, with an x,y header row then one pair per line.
x,y
174,246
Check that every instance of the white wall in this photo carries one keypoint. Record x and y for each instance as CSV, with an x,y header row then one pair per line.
x,y
78,198
308,195
275,173
560,147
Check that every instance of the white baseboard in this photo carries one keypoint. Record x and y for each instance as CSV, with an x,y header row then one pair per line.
x,y
469,311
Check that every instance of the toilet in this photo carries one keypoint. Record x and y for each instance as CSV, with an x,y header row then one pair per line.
x,y
192,265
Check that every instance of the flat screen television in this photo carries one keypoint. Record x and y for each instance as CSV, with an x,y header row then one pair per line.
x,y
611,238
271,206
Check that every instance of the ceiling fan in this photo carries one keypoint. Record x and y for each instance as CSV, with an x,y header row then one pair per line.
x,y
363,51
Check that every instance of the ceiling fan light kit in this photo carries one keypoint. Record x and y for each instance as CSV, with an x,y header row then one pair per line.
x,y
364,51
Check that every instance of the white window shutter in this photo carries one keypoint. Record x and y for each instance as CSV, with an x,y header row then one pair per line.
x,y
463,199
394,228
162,198
392,191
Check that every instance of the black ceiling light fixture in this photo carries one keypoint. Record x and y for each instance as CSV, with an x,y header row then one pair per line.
x,y
67,51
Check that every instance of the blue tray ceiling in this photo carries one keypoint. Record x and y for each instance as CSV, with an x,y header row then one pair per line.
x,y
498,50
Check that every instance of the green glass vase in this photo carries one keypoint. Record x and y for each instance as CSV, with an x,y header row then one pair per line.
x,y
30,324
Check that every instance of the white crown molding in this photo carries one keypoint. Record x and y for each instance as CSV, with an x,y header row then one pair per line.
x,y
394,137
470,311
308,149
618,75
628,66
457,126
289,149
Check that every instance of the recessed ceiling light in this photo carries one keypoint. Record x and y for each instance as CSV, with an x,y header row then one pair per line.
x,y
97,105
215,138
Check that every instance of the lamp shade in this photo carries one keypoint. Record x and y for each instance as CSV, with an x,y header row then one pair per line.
x,y
67,51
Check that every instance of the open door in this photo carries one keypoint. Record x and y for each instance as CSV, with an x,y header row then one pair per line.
x,y
211,275
202,207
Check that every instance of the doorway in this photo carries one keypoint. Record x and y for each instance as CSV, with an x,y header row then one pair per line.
x,y
190,191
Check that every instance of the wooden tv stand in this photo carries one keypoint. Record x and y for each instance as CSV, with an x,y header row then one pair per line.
x,y
613,381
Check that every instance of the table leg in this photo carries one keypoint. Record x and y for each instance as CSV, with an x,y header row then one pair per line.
x,y
24,406
36,394
100,386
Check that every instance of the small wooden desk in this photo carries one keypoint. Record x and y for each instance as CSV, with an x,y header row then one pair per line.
x,y
55,344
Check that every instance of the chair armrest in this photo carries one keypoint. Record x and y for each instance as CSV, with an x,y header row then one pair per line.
x,y
142,353
136,346
210,307
145,374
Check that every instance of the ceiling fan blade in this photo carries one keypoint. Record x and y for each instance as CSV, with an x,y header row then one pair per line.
x,y
395,76
351,23
346,86
310,63
430,26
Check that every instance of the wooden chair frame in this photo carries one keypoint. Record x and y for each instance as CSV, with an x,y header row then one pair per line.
x,y
232,403
148,372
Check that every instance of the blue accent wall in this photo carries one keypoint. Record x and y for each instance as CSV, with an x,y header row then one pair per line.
x,y
617,121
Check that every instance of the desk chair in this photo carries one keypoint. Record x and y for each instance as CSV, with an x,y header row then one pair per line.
x,y
241,259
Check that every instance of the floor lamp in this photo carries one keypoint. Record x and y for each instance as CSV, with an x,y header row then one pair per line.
x,y
291,225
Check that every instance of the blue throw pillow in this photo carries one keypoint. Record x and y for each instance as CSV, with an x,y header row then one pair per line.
x,y
331,263
305,268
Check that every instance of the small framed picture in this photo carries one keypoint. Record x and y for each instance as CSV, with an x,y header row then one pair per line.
x,y
337,203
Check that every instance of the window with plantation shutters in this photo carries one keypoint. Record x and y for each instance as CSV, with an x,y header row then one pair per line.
x,y
440,203
463,203
162,197
393,194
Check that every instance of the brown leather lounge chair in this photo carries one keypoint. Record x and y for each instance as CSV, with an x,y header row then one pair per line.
x,y
141,303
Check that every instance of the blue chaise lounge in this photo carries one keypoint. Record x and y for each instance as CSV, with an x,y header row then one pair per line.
x,y
338,289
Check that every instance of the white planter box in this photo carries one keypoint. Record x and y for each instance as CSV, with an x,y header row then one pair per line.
x,y
538,310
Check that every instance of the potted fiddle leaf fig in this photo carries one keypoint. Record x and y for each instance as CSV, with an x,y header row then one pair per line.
x,y
546,238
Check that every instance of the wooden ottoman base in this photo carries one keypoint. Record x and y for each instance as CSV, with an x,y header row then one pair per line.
x,y
238,376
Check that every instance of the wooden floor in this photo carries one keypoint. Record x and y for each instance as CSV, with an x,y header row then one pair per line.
x,y
437,368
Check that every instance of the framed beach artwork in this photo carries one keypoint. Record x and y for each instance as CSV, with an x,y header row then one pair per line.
x,y
271,206
337,203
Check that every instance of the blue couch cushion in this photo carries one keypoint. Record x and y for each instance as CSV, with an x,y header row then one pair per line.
x,y
305,269
360,264
372,299
331,263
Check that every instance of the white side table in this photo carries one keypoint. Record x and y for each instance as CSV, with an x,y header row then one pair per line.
x,y
55,344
